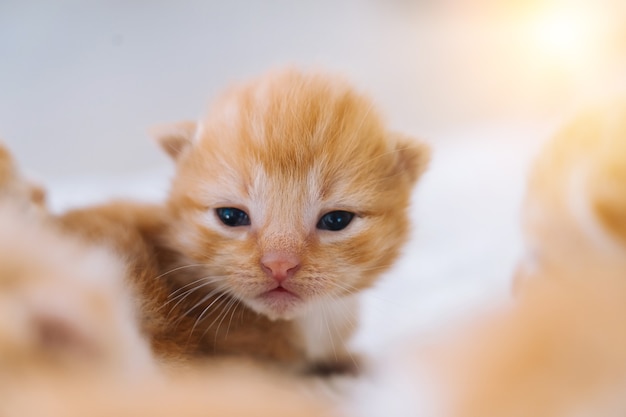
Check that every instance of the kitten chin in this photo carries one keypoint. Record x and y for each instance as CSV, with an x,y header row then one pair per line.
x,y
292,190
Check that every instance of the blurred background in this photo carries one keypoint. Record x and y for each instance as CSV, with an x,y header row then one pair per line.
x,y
81,82
483,81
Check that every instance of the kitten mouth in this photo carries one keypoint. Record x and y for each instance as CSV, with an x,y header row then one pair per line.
x,y
280,302
280,291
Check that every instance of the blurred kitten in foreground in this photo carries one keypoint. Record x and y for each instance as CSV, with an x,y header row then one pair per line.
x,y
62,303
69,344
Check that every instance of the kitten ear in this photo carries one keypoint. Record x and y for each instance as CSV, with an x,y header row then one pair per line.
x,y
7,165
175,139
412,156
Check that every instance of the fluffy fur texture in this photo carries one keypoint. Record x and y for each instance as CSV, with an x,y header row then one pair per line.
x,y
134,233
286,149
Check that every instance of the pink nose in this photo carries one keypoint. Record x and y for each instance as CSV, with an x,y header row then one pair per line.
x,y
280,266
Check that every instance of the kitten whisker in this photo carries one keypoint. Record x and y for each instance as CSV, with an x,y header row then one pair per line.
x,y
350,316
330,334
206,310
203,300
375,268
212,279
346,287
222,311
230,305
178,269
366,114
230,321
181,298
187,293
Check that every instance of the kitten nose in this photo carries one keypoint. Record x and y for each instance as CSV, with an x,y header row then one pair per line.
x,y
280,266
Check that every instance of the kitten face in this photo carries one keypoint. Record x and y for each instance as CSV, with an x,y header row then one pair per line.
x,y
292,191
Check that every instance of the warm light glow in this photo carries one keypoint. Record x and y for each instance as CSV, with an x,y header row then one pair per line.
x,y
570,32
571,41
562,34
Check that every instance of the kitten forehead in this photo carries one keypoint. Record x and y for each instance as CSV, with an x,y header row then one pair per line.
x,y
290,120
282,205
292,146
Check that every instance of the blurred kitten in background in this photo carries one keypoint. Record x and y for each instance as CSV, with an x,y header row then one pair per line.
x,y
558,348
575,210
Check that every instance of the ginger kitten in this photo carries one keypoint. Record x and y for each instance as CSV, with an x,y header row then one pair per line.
x,y
291,196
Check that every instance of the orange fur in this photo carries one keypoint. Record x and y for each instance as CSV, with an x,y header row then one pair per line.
x,y
286,149
137,233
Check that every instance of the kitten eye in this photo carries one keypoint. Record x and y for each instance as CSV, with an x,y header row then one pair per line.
x,y
335,220
232,217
